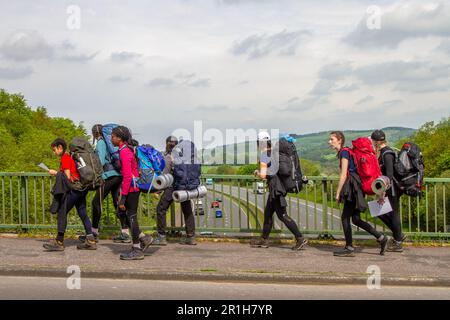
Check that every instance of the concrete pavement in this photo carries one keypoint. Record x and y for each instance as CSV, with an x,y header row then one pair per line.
x,y
219,261
17,288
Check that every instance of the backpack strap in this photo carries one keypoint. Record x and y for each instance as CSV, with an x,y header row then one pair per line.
x,y
350,152
388,151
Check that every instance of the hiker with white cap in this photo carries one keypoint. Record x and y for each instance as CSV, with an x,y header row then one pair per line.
x,y
276,202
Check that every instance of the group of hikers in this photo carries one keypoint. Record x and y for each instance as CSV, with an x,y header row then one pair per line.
x,y
279,165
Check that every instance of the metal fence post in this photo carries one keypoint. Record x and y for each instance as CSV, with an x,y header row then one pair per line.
x,y
324,204
24,204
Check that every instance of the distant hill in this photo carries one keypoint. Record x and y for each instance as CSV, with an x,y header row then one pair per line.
x,y
312,146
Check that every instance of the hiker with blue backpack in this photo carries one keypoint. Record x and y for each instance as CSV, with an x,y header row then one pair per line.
x,y
186,174
109,158
129,192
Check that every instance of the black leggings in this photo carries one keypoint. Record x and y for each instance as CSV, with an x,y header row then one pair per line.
x,y
75,199
131,204
352,215
110,185
392,219
274,205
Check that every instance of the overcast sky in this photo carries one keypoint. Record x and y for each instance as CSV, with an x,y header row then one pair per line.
x,y
298,66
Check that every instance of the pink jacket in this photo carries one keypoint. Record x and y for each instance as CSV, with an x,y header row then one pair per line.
x,y
129,170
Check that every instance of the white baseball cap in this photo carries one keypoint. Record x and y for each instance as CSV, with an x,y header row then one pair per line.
x,y
263,136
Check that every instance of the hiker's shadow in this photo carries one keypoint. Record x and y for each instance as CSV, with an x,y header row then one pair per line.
x,y
118,248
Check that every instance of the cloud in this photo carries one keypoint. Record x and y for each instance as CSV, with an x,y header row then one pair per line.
x,y
347,88
336,71
79,57
124,56
444,46
214,108
292,100
25,46
258,46
15,73
161,82
201,83
119,79
391,103
365,100
306,104
401,22
185,76
407,76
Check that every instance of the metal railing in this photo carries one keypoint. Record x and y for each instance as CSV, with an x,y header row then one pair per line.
x,y
232,206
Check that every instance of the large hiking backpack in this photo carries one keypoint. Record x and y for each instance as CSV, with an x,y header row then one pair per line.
x,y
186,167
88,163
289,170
151,164
113,151
366,162
409,169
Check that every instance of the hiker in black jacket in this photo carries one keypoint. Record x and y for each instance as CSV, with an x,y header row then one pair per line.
x,y
276,201
386,159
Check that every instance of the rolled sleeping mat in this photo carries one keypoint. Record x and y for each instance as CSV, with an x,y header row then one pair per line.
x,y
184,195
163,181
381,184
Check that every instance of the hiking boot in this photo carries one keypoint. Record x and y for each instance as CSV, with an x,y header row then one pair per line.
x,y
346,252
134,254
122,238
190,241
146,241
383,244
89,244
160,240
82,238
395,246
260,243
54,245
300,243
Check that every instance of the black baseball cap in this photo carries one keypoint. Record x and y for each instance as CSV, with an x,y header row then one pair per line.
x,y
378,135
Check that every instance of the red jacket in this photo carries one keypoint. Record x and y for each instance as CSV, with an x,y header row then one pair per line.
x,y
129,170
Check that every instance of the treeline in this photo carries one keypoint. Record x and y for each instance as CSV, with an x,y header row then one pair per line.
x,y
26,134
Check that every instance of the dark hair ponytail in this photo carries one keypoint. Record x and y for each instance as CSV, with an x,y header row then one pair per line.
x,y
124,134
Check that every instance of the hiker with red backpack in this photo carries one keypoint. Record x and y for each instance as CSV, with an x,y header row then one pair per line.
x,y
358,169
387,158
129,192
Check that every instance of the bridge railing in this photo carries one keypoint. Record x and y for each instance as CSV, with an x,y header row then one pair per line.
x,y
234,205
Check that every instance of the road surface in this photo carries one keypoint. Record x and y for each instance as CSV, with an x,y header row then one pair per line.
x,y
56,288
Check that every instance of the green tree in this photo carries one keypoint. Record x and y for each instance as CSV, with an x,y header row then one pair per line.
x,y
27,134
